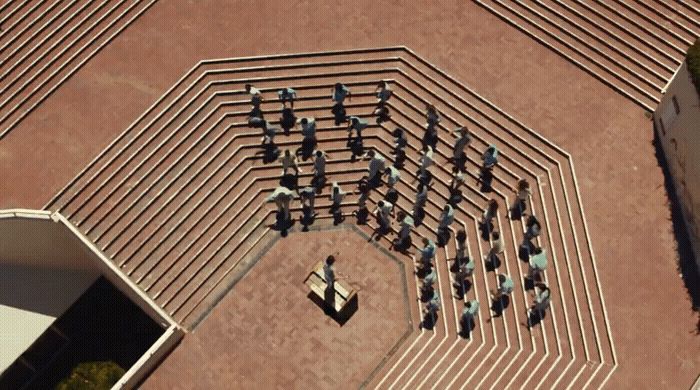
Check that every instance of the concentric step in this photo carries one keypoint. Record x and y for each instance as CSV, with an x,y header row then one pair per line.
x,y
177,201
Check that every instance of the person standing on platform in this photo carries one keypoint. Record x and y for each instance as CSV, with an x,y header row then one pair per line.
x,y
533,227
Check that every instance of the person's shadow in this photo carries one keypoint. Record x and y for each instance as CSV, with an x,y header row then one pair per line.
x,y
492,263
418,216
399,159
361,216
498,306
270,153
486,229
535,318
467,327
289,181
462,287
443,237
429,321
283,225
307,219
485,180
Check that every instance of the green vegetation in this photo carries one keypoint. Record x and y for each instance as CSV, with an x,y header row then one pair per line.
x,y
92,376
693,61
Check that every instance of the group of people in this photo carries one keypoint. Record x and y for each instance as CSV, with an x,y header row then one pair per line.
x,y
379,173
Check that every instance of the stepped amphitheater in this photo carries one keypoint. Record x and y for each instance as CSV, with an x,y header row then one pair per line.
x,y
176,200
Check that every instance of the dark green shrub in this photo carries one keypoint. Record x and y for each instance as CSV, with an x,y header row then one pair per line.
x,y
92,376
692,59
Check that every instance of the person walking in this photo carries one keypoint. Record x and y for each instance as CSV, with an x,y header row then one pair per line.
x,y
282,196
461,251
337,196
340,92
287,95
357,124
461,143
320,159
308,130
404,236
497,247
522,195
533,227
383,212
392,176
446,218
469,313
383,92
289,160
307,196
505,287
255,96
427,254
490,157
376,166
537,263
490,212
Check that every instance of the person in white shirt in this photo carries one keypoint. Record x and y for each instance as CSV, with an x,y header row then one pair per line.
x,y
426,160
289,160
287,95
337,196
392,176
384,211
282,196
406,223
376,165
255,95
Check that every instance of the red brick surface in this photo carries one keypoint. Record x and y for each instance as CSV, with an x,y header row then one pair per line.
x,y
266,333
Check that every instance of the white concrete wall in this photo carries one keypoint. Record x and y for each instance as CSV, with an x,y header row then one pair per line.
x,y
680,141
46,264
